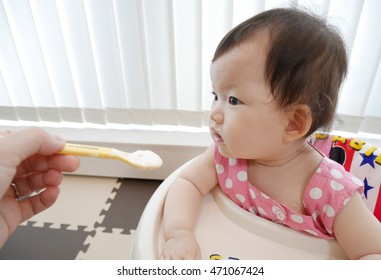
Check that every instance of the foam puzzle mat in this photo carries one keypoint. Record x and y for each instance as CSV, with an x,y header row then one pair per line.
x,y
93,218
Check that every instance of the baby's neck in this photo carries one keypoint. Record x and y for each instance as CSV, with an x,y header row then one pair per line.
x,y
288,158
285,180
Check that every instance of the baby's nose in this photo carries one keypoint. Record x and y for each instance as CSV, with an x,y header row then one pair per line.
x,y
217,117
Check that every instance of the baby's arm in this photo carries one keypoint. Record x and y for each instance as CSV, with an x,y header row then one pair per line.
x,y
358,231
181,207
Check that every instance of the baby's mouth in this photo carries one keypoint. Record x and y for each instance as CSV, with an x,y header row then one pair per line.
x,y
216,136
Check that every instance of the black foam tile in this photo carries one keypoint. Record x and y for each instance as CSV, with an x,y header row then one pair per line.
x,y
35,243
128,204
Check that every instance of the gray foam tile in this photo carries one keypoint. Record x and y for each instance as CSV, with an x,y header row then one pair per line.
x,y
40,243
128,204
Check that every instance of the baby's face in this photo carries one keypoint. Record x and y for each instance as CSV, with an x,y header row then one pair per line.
x,y
245,121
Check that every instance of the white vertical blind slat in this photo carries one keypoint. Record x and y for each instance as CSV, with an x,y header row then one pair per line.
x,y
7,112
374,103
214,27
31,58
13,74
187,40
244,9
364,61
52,44
11,69
104,43
73,20
160,53
345,15
24,46
319,7
272,4
187,28
132,52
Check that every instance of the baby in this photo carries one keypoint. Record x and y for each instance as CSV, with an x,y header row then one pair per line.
x,y
275,80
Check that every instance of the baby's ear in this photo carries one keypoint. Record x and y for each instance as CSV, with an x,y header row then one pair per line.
x,y
299,122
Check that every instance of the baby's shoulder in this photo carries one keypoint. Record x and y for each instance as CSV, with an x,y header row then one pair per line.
x,y
331,185
332,172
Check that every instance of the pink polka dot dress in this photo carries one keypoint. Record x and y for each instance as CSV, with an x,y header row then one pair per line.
x,y
328,191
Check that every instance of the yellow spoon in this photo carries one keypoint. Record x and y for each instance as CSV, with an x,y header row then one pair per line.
x,y
145,160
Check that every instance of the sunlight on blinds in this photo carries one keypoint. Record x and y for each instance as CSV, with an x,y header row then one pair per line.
x,y
146,62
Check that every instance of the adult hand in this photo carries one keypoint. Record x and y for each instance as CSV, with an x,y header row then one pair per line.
x,y
30,172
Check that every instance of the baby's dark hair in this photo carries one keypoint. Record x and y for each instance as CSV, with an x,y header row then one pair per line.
x,y
306,61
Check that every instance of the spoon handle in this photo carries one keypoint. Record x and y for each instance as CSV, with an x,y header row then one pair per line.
x,y
87,150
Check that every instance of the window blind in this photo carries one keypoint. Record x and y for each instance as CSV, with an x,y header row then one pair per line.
x,y
146,62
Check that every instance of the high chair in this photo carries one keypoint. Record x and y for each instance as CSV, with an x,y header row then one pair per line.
x,y
226,231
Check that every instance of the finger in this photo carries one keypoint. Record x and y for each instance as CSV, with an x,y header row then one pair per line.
x,y
37,181
38,203
39,163
64,163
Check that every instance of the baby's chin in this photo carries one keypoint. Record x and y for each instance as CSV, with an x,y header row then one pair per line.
x,y
224,151
227,153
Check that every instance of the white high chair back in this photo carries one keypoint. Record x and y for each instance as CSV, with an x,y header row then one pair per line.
x,y
226,231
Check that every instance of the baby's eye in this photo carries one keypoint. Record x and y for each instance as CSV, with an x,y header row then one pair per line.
x,y
234,101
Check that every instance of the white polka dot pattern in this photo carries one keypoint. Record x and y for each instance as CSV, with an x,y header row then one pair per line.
x,y
336,173
357,181
240,197
229,183
328,191
297,218
336,186
328,210
220,168
316,193
242,176
232,161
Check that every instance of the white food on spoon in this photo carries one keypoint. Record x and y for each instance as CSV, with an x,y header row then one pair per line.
x,y
141,159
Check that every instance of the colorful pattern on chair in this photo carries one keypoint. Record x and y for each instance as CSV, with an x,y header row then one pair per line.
x,y
358,157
